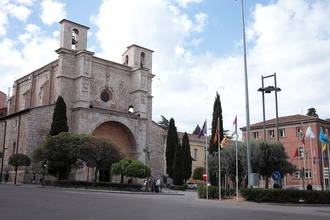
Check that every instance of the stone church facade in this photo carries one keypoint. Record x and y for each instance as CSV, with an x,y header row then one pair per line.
x,y
103,98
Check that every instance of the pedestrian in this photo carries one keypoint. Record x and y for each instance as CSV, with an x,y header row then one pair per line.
x,y
6,175
158,185
145,183
34,179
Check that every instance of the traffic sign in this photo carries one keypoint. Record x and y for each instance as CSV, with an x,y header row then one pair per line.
x,y
276,175
204,175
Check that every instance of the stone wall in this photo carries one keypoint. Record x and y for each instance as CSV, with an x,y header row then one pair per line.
x,y
156,149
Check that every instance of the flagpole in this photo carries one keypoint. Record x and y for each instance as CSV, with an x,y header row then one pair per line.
x,y
206,162
328,166
219,156
299,171
236,161
312,155
323,168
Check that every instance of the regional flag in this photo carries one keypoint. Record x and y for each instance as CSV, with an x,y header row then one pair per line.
x,y
323,139
296,154
235,124
203,131
324,146
309,132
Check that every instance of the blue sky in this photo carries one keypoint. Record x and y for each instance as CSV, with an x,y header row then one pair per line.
x,y
198,49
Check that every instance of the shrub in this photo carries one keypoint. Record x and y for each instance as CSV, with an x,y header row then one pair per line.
x,y
94,185
286,196
213,192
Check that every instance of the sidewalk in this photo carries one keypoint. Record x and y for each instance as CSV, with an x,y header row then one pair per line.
x,y
163,192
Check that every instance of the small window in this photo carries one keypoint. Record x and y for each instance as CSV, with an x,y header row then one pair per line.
x,y
308,174
14,148
195,154
126,60
282,132
74,42
142,59
271,133
299,132
301,152
255,135
297,174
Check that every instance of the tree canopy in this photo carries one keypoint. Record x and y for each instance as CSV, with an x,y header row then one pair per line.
x,y
172,142
217,113
186,157
164,123
197,130
18,160
59,123
312,112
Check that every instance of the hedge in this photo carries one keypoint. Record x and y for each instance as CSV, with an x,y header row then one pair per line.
x,y
286,195
213,192
94,185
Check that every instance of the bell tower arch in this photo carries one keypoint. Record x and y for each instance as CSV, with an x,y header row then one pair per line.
x,y
73,35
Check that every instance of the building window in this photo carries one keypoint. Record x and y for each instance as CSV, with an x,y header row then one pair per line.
x,y
281,132
297,174
299,132
308,174
271,133
143,55
301,152
255,135
14,147
74,42
195,154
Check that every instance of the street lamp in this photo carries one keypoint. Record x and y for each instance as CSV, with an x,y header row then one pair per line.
x,y
268,90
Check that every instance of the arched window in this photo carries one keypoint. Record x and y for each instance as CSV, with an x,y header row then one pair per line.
x,y
126,60
74,42
142,59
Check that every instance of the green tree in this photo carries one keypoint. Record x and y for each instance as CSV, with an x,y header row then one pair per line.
x,y
60,152
137,169
164,122
270,156
119,168
186,157
100,153
198,173
171,142
59,123
217,113
178,173
18,160
197,130
312,112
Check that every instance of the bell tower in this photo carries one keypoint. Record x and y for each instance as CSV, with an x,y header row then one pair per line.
x,y
73,35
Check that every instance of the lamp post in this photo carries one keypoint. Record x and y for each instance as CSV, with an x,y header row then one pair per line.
x,y
247,109
269,89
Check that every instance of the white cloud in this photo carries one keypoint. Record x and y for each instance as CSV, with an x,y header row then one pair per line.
x,y
25,2
8,9
20,12
287,37
20,58
52,11
185,3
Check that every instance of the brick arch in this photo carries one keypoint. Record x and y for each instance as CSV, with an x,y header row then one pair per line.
x,y
120,135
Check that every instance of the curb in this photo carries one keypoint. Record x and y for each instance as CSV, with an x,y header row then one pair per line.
x,y
113,191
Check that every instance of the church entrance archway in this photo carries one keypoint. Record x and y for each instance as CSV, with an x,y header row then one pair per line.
x,y
121,136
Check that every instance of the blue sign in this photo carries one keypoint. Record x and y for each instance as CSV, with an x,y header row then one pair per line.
x,y
276,175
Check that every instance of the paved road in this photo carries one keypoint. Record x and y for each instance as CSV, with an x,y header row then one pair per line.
x,y
36,203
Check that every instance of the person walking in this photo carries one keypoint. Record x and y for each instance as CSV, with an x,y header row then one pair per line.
x,y
6,175
158,185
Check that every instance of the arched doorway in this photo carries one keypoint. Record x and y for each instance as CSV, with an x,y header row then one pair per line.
x,y
121,136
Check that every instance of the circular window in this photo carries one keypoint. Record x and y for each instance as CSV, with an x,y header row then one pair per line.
x,y
105,96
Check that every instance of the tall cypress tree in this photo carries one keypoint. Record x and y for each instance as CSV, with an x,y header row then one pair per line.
x,y
217,113
177,168
186,157
59,123
171,143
